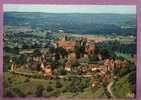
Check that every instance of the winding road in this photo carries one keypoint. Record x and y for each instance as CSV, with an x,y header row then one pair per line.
x,y
58,76
109,89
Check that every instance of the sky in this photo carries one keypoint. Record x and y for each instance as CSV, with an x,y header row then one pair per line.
x,y
119,9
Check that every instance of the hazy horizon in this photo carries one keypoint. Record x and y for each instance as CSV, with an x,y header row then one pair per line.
x,y
88,9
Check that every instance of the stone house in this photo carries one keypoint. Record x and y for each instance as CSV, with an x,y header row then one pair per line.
x,y
47,70
68,65
13,67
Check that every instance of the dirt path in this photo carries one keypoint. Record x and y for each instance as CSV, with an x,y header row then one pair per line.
x,y
109,89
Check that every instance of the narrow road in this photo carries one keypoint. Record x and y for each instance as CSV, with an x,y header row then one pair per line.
x,y
109,89
54,76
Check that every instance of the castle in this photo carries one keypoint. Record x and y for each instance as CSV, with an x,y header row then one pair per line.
x,y
66,44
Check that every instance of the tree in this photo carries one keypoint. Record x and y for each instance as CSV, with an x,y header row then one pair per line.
x,y
132,81
76,63
22,59
49,89
107,53
93,57
37,52
9,93
18,92
58,84
6,63
75,86
52,49
54,63
79,50
13,50
61,71
85,82
25,46
61,51
39,91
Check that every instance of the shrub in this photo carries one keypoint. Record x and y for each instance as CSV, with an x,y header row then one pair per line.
x,y
9,93
49,88
93,57
18,92
63,72
27,80
76,63
58,84
75,86
51,94
132,81
85,82
39,91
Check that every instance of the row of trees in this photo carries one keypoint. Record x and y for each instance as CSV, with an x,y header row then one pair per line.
x,y
116,46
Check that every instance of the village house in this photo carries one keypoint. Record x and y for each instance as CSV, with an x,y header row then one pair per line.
x,y
47,70
94,83
68,65
42,65
83,70
111,64
13,67
88,68
86,56
120,63
72,56
93,67
105,77
45,67
99,56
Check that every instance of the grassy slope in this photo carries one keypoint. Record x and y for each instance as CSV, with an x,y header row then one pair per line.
x,y
29,87
121,87
99,93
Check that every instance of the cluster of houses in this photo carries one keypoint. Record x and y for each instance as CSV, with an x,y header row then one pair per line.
x,y
111,64
107,65
69,45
